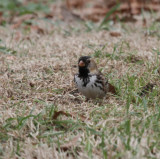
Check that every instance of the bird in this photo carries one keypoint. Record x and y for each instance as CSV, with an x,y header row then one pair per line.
x,y
90,81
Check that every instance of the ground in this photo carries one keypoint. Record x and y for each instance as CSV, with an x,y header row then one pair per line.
x,y
41,114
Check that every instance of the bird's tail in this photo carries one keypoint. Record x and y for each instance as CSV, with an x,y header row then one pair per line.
x,y
111,89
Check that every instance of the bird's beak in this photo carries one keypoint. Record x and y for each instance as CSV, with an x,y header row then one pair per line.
x,y
81,64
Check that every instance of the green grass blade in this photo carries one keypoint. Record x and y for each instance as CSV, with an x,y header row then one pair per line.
x,y
113,9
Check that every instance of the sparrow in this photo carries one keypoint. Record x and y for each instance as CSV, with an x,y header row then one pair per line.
x,y
90,81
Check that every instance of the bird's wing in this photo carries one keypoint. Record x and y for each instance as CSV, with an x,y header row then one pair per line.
x,y
111,89
106,85
103,80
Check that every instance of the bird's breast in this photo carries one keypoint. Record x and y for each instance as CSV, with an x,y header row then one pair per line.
x,y
89,86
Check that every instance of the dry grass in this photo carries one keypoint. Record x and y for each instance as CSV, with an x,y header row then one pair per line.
x,y
37,80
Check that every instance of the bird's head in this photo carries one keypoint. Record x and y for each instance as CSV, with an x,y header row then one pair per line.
x,y
86,65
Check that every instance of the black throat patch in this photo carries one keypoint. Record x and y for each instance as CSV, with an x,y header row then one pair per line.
x,y
84,75
83,72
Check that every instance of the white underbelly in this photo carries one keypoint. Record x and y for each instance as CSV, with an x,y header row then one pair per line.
x,y
90,90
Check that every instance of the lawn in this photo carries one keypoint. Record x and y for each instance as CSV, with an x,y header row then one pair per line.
x,y
42,116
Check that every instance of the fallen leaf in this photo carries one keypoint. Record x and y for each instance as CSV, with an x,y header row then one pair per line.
x,y
115,34
20,19
32,84
82,117
37,29
152,7
93,14
96,10
70,144
49,16
128,19
58,113
157,20
135,7
68,15
74,3
133,59
146,89
26,38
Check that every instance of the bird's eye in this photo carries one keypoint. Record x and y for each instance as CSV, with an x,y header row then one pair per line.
x,y
88,61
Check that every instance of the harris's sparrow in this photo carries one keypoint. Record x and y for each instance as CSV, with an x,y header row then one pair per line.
x,y
90,81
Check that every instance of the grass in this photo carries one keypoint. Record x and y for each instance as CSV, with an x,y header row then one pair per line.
x,y
18,7
36,82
